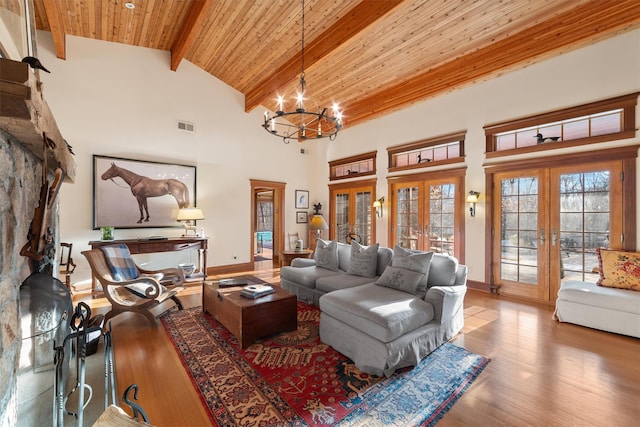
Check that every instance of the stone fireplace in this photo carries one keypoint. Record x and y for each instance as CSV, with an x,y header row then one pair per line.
x,y
24,119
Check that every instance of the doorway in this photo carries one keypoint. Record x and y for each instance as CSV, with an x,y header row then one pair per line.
x,y
267,202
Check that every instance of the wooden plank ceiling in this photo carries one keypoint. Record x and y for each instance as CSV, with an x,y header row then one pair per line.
x,y
373,57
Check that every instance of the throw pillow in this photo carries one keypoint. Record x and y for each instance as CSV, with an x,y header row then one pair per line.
x,y
364,259
417,261
619,269
120,262
326,255
443,270
400,279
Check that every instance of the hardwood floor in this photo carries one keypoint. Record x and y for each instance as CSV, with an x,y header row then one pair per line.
x,y
542,373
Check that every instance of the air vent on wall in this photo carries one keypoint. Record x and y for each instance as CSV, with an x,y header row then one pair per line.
x,y
186,126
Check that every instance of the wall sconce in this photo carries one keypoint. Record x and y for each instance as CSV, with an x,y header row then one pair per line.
x,y
473,199
378,205
189,215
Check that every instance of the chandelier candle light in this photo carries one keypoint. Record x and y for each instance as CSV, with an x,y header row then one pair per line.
x,y
298,122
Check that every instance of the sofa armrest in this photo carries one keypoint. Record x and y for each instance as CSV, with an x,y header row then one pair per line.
x,y
303,262
446,300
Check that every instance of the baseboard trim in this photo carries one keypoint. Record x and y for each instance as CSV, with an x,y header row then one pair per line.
x,y
480,286
231,268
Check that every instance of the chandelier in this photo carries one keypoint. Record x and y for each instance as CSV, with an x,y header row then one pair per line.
x,y
298,122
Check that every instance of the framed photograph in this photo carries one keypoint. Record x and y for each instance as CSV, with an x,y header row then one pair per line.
x,y
302,199
131,193
302,217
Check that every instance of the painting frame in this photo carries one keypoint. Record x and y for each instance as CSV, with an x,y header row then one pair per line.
x,y
302,199
114,202
302,217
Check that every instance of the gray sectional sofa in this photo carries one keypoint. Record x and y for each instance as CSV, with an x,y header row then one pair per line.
x,y
388,314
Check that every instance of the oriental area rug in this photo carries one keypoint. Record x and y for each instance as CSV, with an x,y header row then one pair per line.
x,y
293,379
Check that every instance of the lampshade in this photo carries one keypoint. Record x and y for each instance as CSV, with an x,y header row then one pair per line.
x,y
377,204
189,214
472,197
318,223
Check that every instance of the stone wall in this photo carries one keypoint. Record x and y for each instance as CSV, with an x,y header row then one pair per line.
x,y
20,182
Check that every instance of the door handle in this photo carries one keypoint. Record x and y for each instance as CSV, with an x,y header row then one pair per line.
x,y
542,236
554,237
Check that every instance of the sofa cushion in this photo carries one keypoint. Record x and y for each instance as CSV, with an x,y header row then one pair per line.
x,y
341,281
442,271
364,259
384,259
344,256
592,295
326,254
306,276
401,279
383,313
619,269
417,261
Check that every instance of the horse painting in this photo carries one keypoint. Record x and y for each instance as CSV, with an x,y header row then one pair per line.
x,y
143,187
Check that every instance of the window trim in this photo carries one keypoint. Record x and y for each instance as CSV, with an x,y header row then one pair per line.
x,y
426,143
372,155
625,102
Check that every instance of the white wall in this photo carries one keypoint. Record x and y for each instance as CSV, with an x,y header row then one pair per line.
x,y
122,101
601,71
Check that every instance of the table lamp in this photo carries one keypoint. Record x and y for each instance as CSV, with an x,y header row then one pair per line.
x,y
318,222
188,215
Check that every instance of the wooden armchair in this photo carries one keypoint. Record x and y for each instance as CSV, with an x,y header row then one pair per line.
x,y
148,290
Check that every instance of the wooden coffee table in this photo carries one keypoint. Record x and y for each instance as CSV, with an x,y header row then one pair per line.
x,y
249,319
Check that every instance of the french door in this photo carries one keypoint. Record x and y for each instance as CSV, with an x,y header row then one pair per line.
x,y
426,214
351,212
548,223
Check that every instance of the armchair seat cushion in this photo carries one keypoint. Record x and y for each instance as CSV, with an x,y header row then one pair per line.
x,y
382,313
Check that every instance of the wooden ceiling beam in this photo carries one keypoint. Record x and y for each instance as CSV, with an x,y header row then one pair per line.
x,y
56,27
190,29
595,20
347,27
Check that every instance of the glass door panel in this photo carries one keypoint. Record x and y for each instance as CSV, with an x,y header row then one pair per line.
x,y
408,225
362,223
521,248
588,216
342,216
442,218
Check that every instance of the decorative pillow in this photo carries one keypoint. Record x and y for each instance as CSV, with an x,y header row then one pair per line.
x,y
326,255
417,261
400,279
619,269
364,259
443,270
120,262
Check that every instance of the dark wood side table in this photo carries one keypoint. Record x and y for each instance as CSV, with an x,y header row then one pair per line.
x,y
287,256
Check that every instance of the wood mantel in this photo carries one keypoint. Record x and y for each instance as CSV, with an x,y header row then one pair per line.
x,y
25,115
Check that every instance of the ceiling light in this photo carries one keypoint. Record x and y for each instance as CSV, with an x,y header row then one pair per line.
x,y
299,123
129,5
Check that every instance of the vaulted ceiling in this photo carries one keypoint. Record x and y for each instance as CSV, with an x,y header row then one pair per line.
x,y
373,57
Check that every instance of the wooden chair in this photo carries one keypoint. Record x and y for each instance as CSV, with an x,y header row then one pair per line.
x,y
67,266
150,289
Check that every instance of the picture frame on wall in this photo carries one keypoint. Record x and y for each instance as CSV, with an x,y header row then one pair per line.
x,y
302,217
302,199
130,193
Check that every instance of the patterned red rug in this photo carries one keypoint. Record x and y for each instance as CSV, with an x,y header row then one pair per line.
x,y
292,379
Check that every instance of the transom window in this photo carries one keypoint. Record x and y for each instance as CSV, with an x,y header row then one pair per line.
x,y
607,120
435,151
355,166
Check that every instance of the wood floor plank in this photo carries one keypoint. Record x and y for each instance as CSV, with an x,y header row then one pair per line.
x,y
542,373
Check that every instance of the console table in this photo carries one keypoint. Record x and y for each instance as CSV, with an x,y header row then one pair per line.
x,y
170,244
